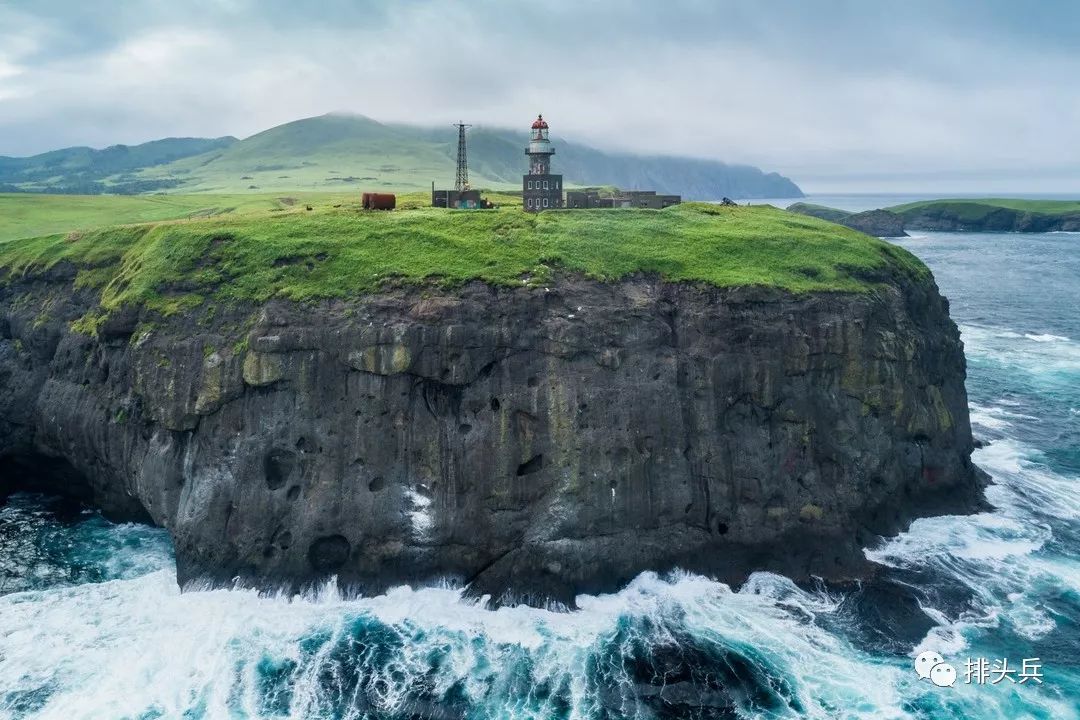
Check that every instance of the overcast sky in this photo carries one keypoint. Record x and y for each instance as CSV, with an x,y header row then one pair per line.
x,y
839,95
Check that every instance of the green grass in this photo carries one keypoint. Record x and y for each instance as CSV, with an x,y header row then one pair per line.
x,y
342,252
974,209
821,211
29,215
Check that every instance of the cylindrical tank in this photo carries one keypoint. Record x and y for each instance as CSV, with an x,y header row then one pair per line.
x,y
379,201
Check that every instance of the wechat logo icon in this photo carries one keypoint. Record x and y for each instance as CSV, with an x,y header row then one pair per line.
x,y
931,666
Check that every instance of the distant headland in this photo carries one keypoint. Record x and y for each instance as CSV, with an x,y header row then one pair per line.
x,y
956,215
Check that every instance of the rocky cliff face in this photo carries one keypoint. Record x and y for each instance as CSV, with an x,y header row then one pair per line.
x,y
946,217
879,223
534,441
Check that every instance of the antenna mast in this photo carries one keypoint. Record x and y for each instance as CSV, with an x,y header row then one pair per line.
x,y
462,182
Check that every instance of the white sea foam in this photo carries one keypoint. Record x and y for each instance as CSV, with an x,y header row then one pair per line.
x,y
996,555
125,648
1047,338
419,512
990,418
1035,354
136,646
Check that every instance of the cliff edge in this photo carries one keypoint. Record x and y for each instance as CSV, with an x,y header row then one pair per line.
x,y
533,441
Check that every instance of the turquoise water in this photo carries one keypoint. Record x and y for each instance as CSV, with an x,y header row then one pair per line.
x,y
92,624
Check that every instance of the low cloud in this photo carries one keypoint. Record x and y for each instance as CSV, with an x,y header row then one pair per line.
x,y
836,95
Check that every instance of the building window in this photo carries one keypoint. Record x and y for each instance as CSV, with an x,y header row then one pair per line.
x,y
528,203
530,184
545,184
545,202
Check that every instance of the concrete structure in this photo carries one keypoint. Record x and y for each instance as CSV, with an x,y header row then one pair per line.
x,y
540,189
645,199
462,197
587,199
464,200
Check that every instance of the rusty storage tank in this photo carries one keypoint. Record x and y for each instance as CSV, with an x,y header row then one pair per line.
x,y
379,201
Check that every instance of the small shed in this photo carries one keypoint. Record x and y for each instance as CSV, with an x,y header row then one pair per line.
x,y
379,201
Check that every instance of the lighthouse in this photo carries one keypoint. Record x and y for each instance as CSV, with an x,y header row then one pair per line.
x,y
540,189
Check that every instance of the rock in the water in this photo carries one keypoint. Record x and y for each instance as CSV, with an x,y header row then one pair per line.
x,y
539,442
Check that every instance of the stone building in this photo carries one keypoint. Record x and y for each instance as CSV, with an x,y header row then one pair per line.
x,y
540,190
587,199
645,199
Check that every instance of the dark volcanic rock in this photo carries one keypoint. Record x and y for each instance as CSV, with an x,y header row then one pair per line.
x,y
957,217
536,441
879,223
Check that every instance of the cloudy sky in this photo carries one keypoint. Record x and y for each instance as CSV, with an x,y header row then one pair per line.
x,y
840,95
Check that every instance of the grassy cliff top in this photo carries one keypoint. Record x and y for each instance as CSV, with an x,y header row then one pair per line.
x,y
979,207
24,215
820,211
342,251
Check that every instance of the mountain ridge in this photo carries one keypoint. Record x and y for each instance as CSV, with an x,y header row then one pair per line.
x,y
337,150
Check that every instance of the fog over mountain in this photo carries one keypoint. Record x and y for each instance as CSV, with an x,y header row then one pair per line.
x,y
342,151
836,95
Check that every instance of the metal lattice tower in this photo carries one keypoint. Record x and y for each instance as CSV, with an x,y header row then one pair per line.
x,y
462,182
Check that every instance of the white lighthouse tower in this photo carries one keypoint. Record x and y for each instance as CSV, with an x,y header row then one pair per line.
x,y
540,190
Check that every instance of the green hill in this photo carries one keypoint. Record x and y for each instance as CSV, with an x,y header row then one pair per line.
x,y
342,251
981,206
83,170
959,215
991,215
352,152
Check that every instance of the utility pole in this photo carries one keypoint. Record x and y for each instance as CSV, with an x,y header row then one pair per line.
x,y
461,184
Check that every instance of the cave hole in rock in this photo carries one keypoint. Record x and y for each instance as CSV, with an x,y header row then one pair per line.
x,y
279,465
329,553
495,404
283,539
532,465
376,484
40,473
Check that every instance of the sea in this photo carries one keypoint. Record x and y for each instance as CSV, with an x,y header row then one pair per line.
x,y
93,625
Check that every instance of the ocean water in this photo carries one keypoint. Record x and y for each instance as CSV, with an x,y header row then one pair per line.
x,y
92,624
